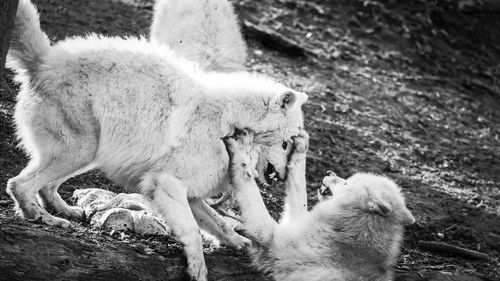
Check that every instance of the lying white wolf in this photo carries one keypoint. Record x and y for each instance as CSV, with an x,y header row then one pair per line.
x,y
204,31
354,236
144,117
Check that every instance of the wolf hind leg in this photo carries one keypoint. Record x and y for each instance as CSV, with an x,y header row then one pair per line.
x,y
52,164
168,196
52,201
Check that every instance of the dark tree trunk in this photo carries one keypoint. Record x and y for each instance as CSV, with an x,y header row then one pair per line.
x,y
36,253
39,253
8,10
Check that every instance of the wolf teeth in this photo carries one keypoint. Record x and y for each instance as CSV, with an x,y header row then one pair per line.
x,y
324,191
273,176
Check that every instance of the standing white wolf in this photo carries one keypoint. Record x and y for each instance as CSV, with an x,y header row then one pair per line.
x,y
354,236
204,31
144,117
207,33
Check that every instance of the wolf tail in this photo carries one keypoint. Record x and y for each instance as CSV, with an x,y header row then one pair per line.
x,y
205,31
29,43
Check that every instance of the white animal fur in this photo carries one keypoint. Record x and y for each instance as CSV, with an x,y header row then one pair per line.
x,y
354,236
143,116
207,33
204,31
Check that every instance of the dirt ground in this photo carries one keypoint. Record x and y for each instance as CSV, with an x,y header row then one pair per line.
x,y
410,89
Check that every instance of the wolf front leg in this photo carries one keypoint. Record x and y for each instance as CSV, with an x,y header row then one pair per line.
x,y
168,196
295,184
209,220
257,223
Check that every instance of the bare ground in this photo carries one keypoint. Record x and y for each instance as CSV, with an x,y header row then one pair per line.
x,y
406,88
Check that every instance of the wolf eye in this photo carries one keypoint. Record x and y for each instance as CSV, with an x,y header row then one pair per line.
x,y
284,145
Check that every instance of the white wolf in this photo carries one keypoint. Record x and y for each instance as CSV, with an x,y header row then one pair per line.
x,y
204,31
143,116
207,32
354,236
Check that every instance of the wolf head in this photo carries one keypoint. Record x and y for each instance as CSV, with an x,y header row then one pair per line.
x,y
263,106
275,143
281,120
368,193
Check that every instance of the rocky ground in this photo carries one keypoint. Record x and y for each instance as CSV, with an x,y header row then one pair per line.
x,y
410,89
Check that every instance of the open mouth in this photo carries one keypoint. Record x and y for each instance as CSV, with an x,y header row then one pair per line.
x,y
271,175
325,191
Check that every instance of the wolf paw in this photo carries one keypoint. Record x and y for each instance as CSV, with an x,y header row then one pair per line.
x,y
300,147
75,213
300,142
241,159
236,241
54,221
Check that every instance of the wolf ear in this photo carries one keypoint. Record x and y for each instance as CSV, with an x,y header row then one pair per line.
x,y
288,99
380,207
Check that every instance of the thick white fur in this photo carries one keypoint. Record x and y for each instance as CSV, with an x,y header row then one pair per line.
x,y
139,113
354,236
205,31
28,44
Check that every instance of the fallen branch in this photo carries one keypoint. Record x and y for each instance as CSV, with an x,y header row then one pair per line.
x,y
273,40
426,274
478,84
35,253
450,249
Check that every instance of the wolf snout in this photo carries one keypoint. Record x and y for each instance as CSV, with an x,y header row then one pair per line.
x,y
330,174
